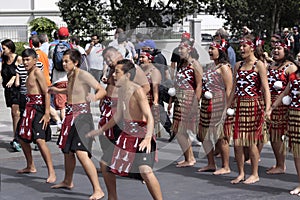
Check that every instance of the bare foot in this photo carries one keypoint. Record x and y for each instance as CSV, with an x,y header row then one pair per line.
x,y
51,178
271,168
251,180
249,161
295,191
238,179
26,171
97,195
186,164
63,185
207,168
276,170
180,162
222,171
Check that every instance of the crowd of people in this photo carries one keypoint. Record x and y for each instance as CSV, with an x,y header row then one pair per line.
x,y
241,103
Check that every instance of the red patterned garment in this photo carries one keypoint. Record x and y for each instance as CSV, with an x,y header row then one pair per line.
x,y
107,109
29,115
249,118
277,126
72,111
126,149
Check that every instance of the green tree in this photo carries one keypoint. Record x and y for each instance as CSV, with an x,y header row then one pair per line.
x,y
83,17
269,15
42,25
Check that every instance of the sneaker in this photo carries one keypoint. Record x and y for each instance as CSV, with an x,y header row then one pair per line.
x,y
16,146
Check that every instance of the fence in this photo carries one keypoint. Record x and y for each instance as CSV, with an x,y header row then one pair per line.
x,y
17,33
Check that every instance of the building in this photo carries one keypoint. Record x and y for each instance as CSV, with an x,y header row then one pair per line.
x,y
16,15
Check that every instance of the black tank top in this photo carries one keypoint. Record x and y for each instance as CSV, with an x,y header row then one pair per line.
x,y
8,71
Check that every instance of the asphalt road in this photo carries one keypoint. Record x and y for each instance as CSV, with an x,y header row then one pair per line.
x,y
176,184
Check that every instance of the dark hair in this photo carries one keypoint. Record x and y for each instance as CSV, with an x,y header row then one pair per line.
x,y
10,45
29,53
35,41
75,39
75,56
128,67
95,34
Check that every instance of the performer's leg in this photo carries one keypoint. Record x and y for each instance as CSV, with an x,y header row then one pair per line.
x,y
46,154
110,182
279,168
186,147
296,190
239,156
211,165
91,172
70,162
30,168
151,182
225,151
254,156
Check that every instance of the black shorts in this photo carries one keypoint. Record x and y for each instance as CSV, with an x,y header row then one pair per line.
x,y
37,128
76,138
12,96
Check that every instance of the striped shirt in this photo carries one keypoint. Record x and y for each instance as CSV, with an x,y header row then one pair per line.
x,y
23,75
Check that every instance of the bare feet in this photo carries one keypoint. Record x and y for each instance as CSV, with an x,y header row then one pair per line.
x,y
26,171
186,164
238,179
276,170
295,191
222,171
180,162
208,168
96,195
63,185
251,180
51,178
249,161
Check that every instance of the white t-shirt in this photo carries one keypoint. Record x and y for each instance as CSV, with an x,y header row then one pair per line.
x,y
95,58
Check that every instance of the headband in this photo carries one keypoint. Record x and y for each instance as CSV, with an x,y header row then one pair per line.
x,y
149,56
218,46
250,43
281,44
183,44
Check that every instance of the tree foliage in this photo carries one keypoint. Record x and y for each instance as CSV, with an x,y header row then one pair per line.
x,y
83,17
42,25
259,15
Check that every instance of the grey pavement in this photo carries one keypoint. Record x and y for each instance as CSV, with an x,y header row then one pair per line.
x,y
176,184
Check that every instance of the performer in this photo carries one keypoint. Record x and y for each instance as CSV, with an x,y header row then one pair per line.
x,y
34,125
216,88
188,84
78,121
292,92
134,153
154,78
250,75
278,76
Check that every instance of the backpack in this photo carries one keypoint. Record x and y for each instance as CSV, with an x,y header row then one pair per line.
x,y
58,53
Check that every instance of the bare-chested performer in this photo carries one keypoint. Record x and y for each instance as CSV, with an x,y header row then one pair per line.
x,y
34,125
78,121
134,153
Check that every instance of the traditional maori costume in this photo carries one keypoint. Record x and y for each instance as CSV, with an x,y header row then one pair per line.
x,y
186,111
212,108
126,156
107,109
294,116
249,114
77,122
277,126
154,108
30,127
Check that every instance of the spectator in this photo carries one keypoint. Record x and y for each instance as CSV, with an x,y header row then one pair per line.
x,y
10,61
222,35
95,60
288,38
296,37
